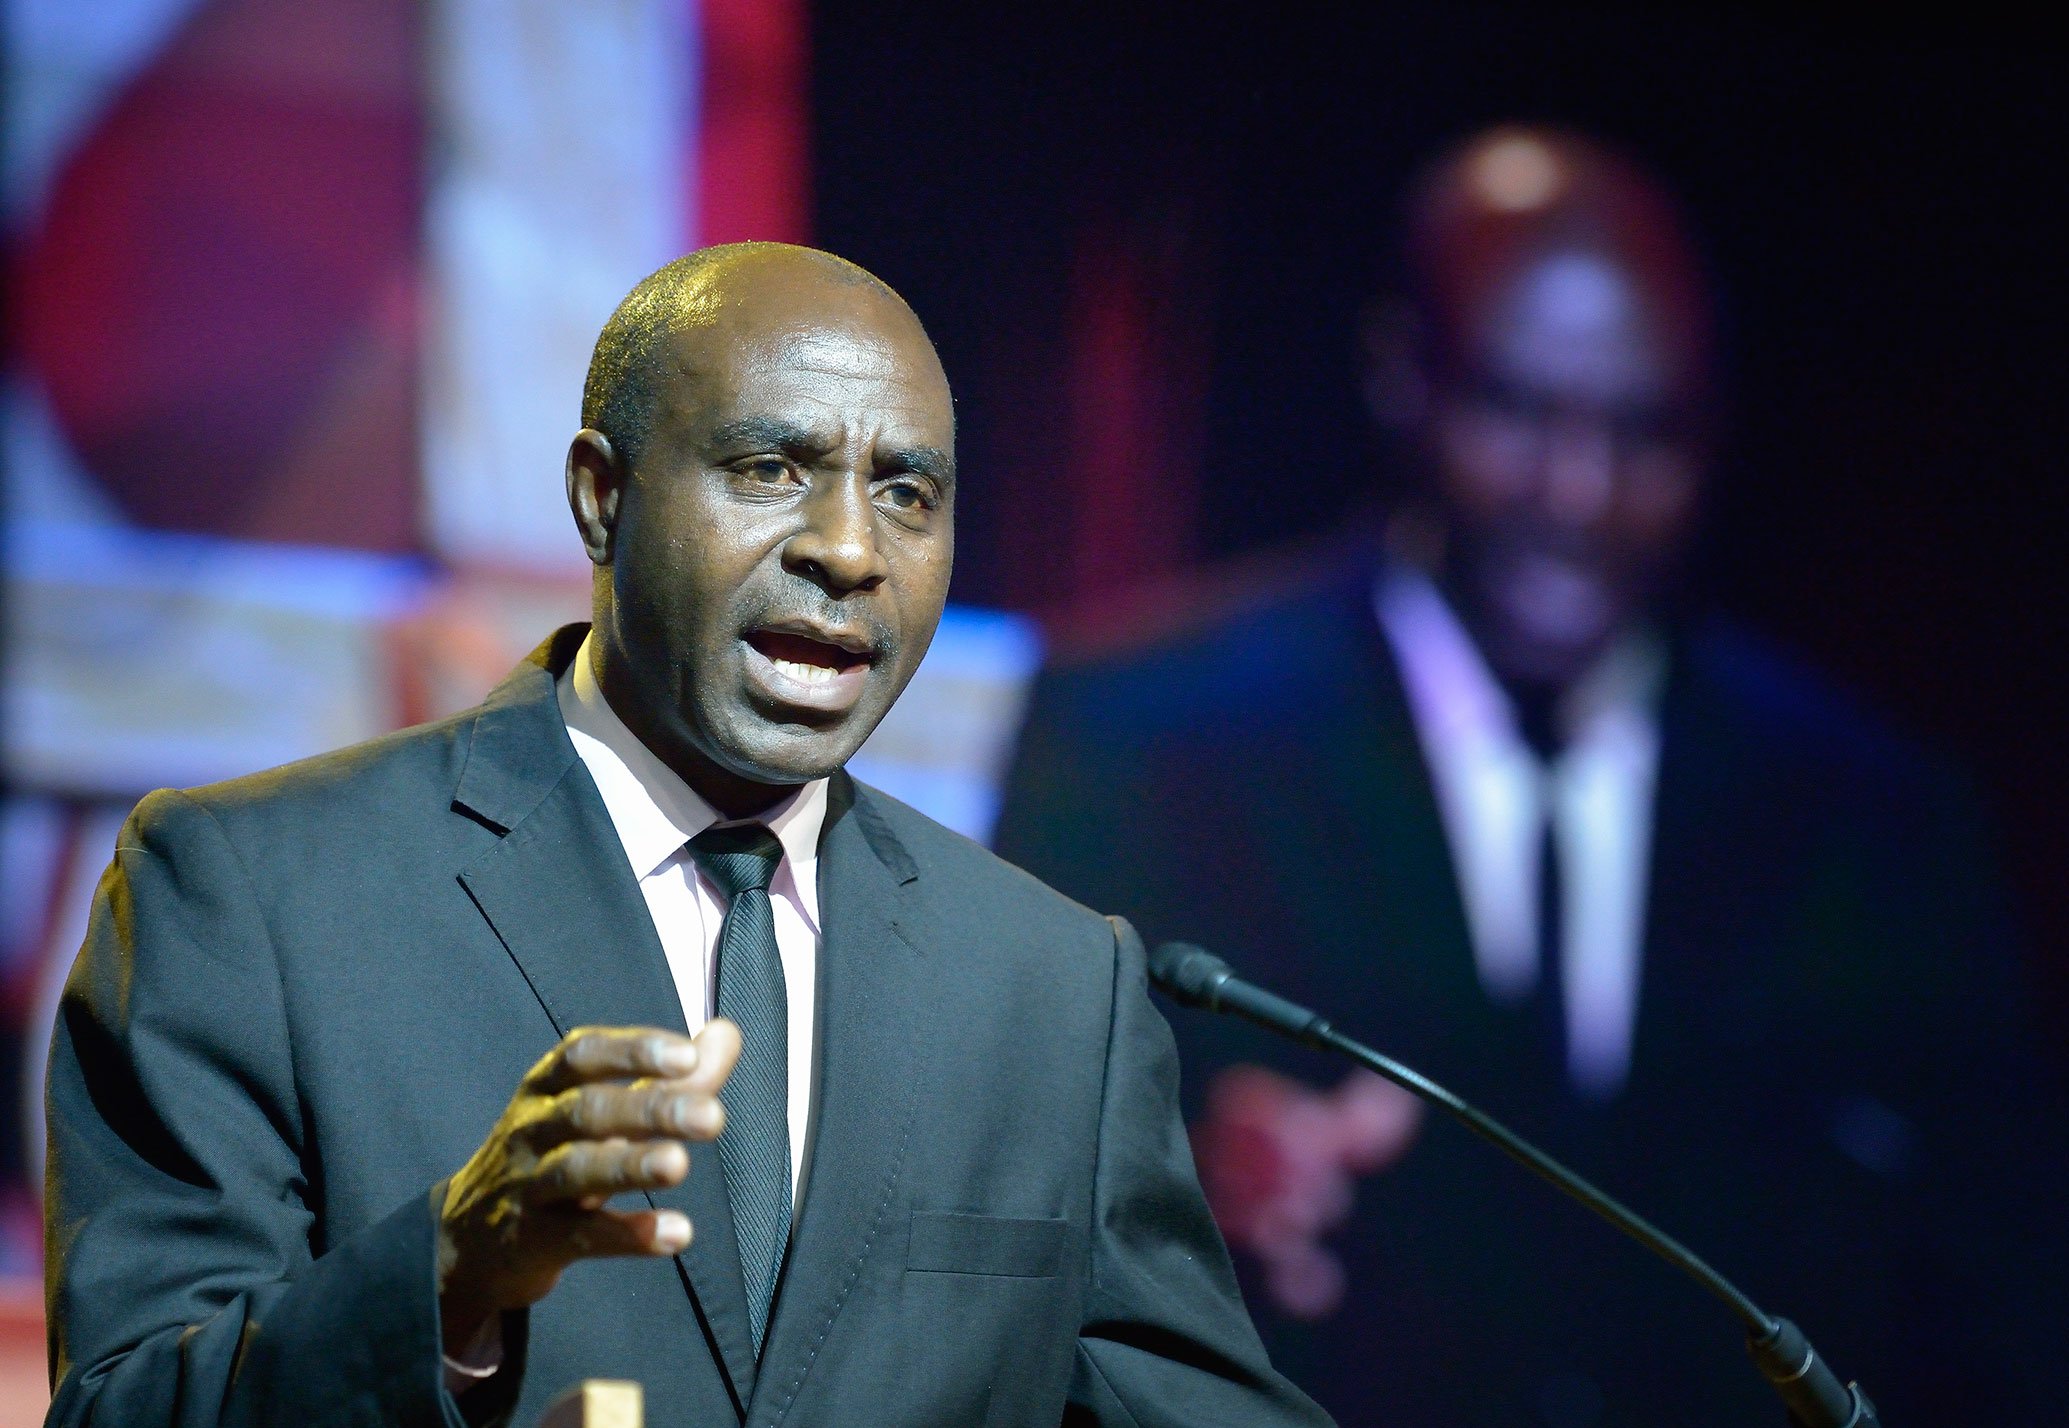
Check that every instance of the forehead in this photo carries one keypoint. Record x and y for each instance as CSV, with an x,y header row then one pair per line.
x,y
1580,323
845,353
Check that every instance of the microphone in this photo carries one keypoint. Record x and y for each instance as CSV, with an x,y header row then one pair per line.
x,y
1812,1393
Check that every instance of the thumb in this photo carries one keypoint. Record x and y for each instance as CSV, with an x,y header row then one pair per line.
x,y
718,1049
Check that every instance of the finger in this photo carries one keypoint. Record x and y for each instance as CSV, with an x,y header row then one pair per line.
x,y
644,1110
598,1169
599,1234
718,1047
602,1053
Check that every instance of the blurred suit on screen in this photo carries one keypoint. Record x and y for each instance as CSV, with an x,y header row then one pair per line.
x,y
1494,800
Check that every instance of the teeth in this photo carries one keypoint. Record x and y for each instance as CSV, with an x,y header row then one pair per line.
x,y
807,673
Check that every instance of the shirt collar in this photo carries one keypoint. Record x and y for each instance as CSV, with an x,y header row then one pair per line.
x,y
655,813
1457,696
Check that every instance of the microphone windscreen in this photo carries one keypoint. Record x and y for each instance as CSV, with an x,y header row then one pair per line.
x,y
1187,972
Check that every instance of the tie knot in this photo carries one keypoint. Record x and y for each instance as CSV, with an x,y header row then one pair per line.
x,y
738,856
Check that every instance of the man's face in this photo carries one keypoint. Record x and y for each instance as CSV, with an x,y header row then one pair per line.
x,y
783,545
1567,459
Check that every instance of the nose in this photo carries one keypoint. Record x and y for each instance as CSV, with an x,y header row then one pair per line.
x,y
1580,460
836,548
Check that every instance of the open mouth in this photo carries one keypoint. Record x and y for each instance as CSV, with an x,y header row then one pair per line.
x,y
802,658
802,673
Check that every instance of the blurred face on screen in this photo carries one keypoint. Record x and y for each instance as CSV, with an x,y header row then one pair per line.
x,y
1562,434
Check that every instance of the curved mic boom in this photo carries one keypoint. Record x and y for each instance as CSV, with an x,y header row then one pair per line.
x,y
1812,1393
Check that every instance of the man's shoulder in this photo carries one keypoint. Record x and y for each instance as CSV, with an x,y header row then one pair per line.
x,y
416,773
973,875
381,782
1775,699
1260,655
1787,730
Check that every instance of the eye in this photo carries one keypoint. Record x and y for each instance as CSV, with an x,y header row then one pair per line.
x,y
1652,426
772,469
1507,403
907,493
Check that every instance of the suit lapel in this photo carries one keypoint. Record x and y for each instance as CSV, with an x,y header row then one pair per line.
x,y
1379,843
872,992
558,892
1707,903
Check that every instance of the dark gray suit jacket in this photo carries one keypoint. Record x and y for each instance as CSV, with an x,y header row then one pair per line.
x,y
307,995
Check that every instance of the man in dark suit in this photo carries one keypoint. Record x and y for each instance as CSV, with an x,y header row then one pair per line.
x,y
949,1183
1619,873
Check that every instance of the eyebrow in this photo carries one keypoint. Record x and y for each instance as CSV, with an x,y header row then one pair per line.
x,y
929,461
768,433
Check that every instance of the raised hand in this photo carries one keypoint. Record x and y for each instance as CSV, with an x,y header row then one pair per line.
x,y
1279,1162
605,1111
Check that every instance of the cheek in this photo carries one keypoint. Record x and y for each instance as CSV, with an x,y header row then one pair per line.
x,y
920,564
687,559
1486,461
1659,499
652,575
921,568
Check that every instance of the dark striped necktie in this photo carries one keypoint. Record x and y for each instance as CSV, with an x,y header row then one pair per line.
x,y
1550,1000
754,1148
1538,721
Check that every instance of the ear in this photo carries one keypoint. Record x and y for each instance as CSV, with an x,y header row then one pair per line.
x,y
1397,384
596,484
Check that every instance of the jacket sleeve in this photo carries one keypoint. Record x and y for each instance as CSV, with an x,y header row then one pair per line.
x,y
183,1196
1165,1339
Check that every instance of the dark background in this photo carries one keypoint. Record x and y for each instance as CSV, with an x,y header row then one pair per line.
x,y
1880,208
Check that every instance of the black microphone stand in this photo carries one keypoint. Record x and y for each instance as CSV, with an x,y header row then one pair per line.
x,y
1812,1393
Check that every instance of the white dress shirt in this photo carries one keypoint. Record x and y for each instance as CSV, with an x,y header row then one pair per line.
x,y
655,815
1495,794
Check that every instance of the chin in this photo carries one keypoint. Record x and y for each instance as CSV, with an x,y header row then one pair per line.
x,y
787,754
1550,623
1541,659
